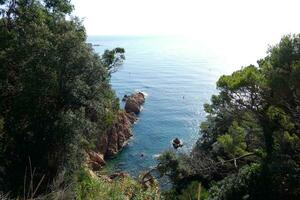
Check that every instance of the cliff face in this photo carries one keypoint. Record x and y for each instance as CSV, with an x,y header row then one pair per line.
x,y
115,138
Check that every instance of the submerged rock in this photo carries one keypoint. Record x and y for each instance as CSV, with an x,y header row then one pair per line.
x,y
177,143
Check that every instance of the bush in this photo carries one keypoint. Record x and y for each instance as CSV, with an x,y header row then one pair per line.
x,y
97,188
242,185
55,95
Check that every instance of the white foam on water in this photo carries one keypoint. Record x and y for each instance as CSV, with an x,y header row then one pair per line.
x,y
156,155
144,93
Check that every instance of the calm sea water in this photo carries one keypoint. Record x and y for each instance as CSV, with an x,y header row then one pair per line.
x,y
178,75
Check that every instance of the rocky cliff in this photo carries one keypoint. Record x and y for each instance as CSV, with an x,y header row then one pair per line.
x,y
116,137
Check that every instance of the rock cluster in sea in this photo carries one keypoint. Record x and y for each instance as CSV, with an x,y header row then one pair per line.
x,y
117,135
177,143
134,102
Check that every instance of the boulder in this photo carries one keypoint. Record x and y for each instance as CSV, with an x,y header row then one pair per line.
x,y
134,102
132,106
177,143
139,97
96,157
95,160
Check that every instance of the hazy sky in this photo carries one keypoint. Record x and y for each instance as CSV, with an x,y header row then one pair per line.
x,y
248,25
197,17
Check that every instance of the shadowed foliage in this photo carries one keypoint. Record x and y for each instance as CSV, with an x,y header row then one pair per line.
x,y
249,145
55,95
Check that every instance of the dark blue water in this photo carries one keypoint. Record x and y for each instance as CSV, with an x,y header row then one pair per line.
x,y
178,75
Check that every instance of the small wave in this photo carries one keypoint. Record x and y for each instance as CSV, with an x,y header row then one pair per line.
x,y
156,155
144,93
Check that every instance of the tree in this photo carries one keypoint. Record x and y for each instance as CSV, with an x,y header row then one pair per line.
x,y
55,94
254,121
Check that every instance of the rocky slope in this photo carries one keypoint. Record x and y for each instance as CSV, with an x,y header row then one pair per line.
x,y
117,136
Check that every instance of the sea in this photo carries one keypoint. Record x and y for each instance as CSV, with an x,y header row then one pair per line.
x,y
178,75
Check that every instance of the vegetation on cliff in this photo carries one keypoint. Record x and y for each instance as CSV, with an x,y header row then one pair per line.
x,y
249,145
55,97
57,106
120,187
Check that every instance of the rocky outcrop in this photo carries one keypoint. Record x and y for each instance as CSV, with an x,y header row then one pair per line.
x,y
114,139
95,161
117,136
177,143
133,103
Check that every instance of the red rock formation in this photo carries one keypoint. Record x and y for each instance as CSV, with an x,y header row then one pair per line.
x,y
134,102
114,139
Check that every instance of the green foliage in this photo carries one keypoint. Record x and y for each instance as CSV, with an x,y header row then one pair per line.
x,y
97,188
191,192
113,58
256,113
173,165
233,142
55,94
238,186
241,79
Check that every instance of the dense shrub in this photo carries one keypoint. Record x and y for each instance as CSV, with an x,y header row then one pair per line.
x,y
55,96
242,185
93,188
249,143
